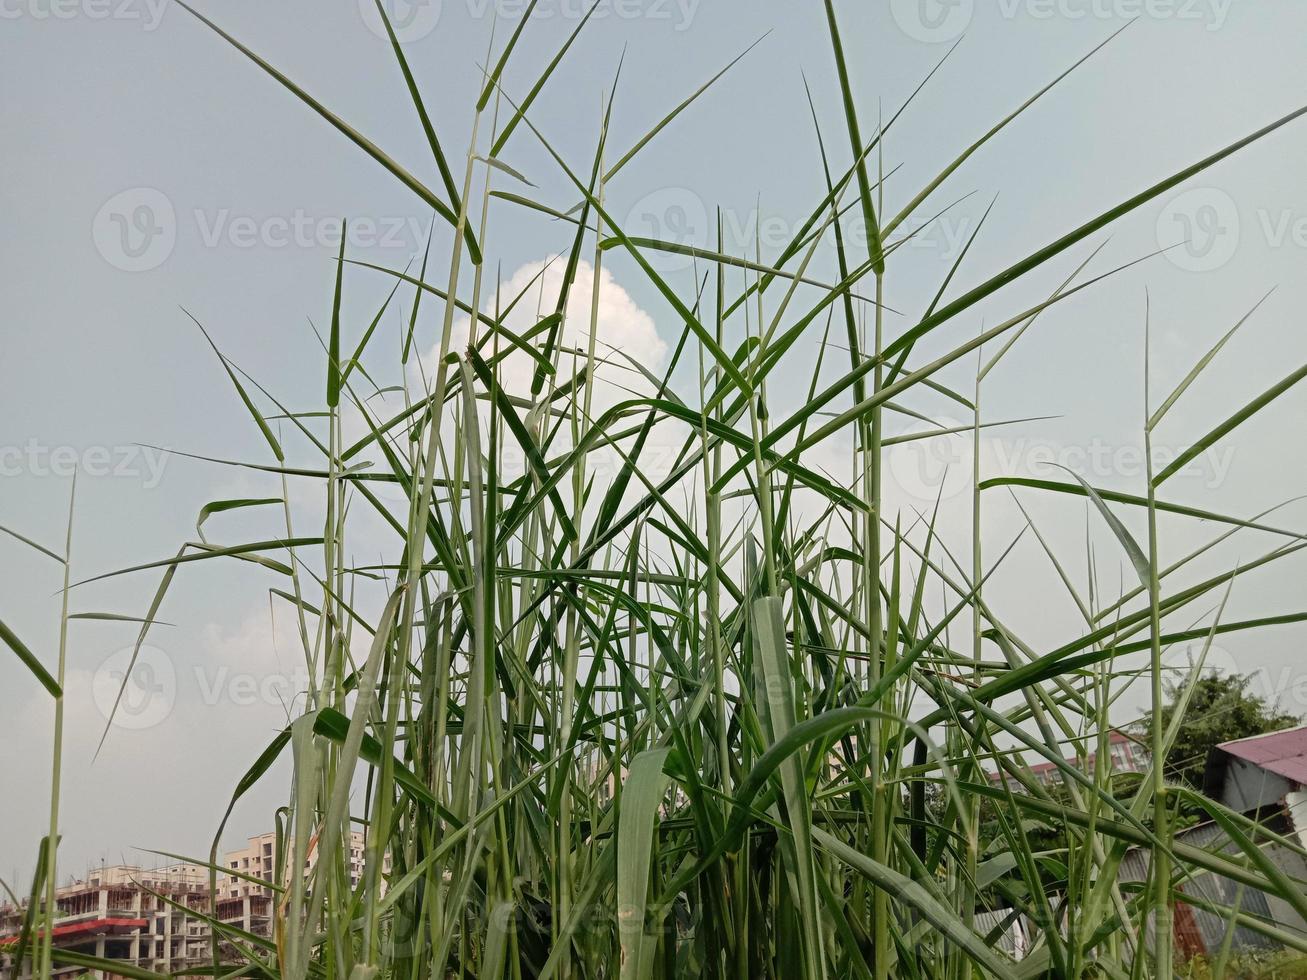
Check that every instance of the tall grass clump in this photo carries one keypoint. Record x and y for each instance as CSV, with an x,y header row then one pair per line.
x,y
601,715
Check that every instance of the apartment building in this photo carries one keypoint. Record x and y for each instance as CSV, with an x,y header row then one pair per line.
x,y
259,859
121,912
114,913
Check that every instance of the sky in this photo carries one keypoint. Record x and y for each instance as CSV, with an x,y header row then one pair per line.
x,y
149,171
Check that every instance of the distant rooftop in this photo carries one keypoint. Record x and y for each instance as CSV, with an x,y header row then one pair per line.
x,y
1125,754
1283,753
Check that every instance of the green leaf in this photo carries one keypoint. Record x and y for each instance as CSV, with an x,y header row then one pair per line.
x,y
1206,359
642,794
333,350
12,641
345,129
904,889
1233,422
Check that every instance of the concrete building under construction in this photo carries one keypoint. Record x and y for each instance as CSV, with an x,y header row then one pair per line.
x,y
119,912
143,917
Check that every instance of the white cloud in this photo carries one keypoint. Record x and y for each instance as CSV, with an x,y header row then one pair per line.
x,y
620,324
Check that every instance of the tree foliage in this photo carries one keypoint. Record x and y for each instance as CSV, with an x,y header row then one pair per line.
x,y
1221,708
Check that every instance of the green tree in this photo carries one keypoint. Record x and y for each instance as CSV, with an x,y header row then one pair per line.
x,y
1220,709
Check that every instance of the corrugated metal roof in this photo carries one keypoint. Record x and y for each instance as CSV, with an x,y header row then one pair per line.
x,y
1283,753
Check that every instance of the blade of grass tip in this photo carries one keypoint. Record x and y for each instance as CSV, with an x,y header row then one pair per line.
x,y
356,357
333,350
19,951
667,119
1002,123
573,258
442,164
532,205
417,301
1203,362
1233,422
955,430
850,324
796,243
148,620
897,369
57,752
1038,258
769,272
642,794
1018,333
505,168
519,111
726,362
357,138
874,246
492,79
244,395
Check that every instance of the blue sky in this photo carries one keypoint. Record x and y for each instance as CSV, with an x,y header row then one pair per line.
x,y
147,167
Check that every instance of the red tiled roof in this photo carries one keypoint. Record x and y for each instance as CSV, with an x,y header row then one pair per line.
x,y
93,926
1283,753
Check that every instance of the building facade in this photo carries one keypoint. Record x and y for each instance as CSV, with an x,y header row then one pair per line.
x,y
141,916
121,912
